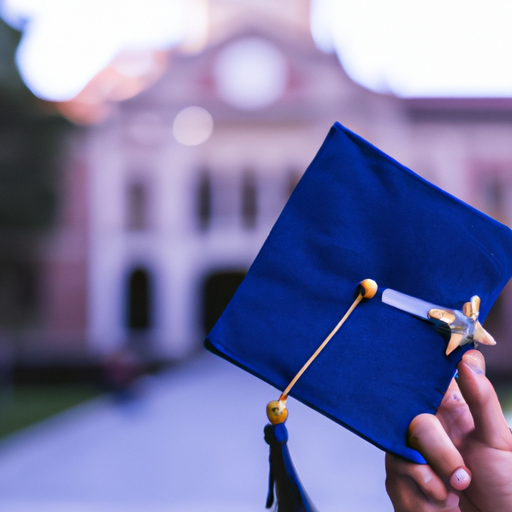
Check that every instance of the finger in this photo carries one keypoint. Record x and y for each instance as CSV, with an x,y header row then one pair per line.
x,y
407,497
410,488
490,425
422,475
427,435
454,414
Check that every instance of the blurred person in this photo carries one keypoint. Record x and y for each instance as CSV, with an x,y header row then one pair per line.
x,y
121,369
468,448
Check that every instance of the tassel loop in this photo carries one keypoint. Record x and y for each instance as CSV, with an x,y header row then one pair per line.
x,y
283,478
366,289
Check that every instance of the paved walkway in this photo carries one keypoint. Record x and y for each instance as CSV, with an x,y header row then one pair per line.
x,y
193,442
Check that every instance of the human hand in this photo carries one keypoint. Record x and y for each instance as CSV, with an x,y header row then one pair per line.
x,y
468,447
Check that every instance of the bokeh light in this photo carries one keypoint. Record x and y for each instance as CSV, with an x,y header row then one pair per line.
x,y
192,126
250,74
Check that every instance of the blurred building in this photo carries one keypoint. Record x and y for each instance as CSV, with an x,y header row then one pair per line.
x,y
170,198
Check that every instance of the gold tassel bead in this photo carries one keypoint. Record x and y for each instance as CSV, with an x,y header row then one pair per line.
x,y
277,412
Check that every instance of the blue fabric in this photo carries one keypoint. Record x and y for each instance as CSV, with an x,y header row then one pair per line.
x,y
358,214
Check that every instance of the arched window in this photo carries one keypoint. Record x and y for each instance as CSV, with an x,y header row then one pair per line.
x,y
249,199
137,215
139,300
204,200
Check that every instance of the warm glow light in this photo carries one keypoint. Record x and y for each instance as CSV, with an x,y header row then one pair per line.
x,y
65,43
192,126
126,76
434,48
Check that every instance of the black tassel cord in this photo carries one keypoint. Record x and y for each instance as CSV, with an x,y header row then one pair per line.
x,y
283,479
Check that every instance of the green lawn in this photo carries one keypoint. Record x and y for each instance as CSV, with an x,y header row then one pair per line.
x,y
26,405
505,396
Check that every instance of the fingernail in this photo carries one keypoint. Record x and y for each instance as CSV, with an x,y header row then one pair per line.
x,y
474,363
460,479
461,475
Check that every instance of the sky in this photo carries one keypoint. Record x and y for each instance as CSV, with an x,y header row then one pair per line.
x,y
408,48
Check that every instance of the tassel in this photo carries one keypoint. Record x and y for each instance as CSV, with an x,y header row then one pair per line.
x,y
283,478
291,496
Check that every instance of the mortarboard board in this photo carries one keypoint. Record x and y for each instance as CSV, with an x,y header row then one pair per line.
x,y
357,214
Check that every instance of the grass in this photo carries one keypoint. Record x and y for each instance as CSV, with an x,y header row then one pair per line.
x,y
505,396
23,406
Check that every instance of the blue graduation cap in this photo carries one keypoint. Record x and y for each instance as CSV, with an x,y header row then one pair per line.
x,y
439,265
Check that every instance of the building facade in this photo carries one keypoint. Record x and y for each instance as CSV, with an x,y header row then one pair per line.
x,y
170,198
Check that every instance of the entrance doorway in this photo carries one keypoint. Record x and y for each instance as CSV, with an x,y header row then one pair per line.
x,y
139,300
219,287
